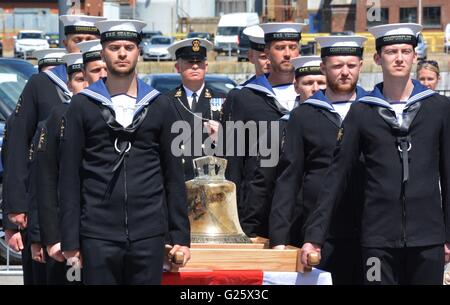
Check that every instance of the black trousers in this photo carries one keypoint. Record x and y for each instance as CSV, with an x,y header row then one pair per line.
x,y
122,263
34,273
404,266
343,259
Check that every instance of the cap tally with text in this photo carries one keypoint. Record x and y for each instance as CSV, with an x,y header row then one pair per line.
x,y
190,49
74,62
396,33
49,57
91,50
255,35
306,65
80,24
341,45
120,29
282,31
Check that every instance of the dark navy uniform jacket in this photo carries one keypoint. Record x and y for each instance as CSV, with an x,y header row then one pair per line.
x,y
42,92
422,218
105,196
311,136
254,102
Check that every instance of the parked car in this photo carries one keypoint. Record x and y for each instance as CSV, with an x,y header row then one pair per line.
x,y
157,49
422,48
14,74
203,35
53,40
229,28
28,41
146,36
164,82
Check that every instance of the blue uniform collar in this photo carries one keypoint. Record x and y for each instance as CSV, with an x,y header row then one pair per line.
x,y
248,81
376,96
58,75
98,92
320,100
262,84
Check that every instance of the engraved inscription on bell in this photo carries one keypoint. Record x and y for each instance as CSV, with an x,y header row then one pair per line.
x,y
212,204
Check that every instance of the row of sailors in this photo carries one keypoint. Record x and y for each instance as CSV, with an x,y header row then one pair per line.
x,y
109,192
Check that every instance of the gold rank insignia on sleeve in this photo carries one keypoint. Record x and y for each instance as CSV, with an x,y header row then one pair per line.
x,y
42,140
179,93
31,152
207,94
196,45
19,105
340,134
62,128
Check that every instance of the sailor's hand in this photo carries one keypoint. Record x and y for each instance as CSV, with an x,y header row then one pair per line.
x,y
186,254
37,253
54,251
213,129
307,249
14,240
19,219
73,258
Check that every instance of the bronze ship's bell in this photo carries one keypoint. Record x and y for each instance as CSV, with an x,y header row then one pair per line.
x,y
212,204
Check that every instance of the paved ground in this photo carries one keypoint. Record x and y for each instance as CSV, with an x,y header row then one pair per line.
x,y
12,276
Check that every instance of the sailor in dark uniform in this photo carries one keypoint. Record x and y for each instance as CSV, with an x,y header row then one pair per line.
x,y
90,65
311,136
121,188
308,80
42,92
33,271
195,103
44,141
257,57
261,102
405,218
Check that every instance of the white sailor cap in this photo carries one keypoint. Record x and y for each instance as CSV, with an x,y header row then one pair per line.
x,y
395,33
306,65
191,48
74,62
256,36
80,24
49,57
282,31
341,45
120,29
91,50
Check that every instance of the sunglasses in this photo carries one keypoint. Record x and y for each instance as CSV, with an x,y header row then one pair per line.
x,y
430,62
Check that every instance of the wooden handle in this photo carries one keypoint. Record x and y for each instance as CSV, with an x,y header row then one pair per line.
x,y
313,259
178,258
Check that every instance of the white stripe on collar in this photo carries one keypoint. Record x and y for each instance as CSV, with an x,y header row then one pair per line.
x,y
260,88
97,97
58,81
320,103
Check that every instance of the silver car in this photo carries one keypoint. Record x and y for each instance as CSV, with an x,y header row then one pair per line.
x,y
156,49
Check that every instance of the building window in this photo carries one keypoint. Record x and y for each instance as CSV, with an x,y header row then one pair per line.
x,y
408,14
431,17
384,14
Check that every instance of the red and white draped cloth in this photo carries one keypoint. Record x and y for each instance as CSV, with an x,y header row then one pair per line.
x,y
246,277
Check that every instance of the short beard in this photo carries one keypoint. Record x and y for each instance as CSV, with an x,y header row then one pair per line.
x,y
336,88
279,69
116,73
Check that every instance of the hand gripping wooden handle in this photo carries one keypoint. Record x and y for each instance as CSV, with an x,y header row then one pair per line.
x,y
178,258
313,259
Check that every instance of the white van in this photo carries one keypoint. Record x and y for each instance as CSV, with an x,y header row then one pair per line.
x,y
229,28
447,38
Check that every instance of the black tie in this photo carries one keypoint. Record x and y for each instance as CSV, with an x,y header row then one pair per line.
x,y
194,101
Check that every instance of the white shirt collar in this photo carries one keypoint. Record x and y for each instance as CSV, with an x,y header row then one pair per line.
x,y
189,92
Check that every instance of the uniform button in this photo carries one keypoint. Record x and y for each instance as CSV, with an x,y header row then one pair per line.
x,y
182,146
203,145
182,161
